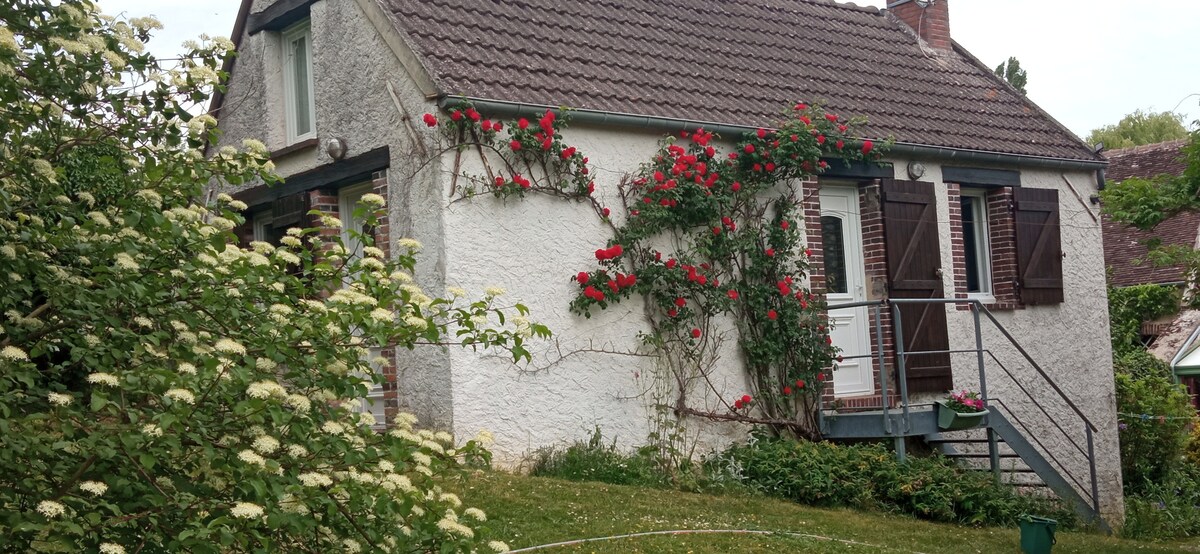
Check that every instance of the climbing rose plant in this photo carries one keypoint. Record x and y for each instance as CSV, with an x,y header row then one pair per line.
x,y
736,222
163,390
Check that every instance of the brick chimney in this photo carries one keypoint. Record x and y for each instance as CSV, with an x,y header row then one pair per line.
x,y
930,19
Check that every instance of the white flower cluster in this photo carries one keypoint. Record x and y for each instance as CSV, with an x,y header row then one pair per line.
x,y
314,479
265,389
94,488
246,510
13,353
50,509
181,395
59,399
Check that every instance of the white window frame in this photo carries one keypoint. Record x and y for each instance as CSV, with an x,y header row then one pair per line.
x,y
982,246
348,197
261,221
287,37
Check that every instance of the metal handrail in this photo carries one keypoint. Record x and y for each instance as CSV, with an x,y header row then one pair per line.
x,y
977,307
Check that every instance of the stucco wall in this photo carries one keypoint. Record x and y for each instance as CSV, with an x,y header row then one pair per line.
x,y
532,247
1068,340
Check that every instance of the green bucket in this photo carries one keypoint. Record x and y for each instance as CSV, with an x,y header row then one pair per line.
x,y
1037,534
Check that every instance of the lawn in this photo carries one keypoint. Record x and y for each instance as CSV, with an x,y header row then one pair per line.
x,y
530,511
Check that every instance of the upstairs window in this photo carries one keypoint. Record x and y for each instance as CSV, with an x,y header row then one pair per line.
x,y
976,243
298,82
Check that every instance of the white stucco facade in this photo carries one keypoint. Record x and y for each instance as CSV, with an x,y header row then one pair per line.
x,y
590,374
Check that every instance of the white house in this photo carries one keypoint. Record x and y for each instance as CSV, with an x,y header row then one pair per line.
x,y
985,197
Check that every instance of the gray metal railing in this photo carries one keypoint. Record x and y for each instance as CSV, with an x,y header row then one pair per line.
x,y
978,310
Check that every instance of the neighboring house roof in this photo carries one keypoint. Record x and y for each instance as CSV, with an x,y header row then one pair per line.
x,y
735,62
1124,246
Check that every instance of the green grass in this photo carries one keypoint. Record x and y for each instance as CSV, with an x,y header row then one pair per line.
x,y
529,511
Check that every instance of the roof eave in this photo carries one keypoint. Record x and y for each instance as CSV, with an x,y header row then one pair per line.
x,y
672,125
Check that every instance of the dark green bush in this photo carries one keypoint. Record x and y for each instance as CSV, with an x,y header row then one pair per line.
x,y
1151,447
1166,510
592,460
1128,307
1139,363
869,476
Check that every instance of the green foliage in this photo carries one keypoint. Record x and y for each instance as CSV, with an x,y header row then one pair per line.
x,y
1140,364
869,476
1128,307
1167,508
1151,447
163,390
592,460
1010,70
1138,128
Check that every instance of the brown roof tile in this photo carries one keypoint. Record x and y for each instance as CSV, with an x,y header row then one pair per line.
x,y
1124,246
736,61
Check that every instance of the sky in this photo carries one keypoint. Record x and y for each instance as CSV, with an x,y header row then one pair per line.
x,y
1090,62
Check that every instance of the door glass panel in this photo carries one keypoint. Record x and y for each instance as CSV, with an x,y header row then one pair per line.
x,y
835,254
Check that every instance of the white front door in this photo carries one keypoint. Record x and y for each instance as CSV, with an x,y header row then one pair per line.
x,y
845,281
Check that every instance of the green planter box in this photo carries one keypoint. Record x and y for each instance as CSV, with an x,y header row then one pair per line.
x,y
950,420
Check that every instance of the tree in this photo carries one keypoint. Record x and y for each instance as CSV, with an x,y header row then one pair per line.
x,y
1140,128
1011,71
162,389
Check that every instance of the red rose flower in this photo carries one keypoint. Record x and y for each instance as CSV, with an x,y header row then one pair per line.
x,y
486,125
799,383
736,186
681,302
749,148
820,139
605,211
828,339
787,391
733,294
431,120
831,117
671,263
762,133
772,315
472,114
770,252
591,187
523,124
582,277
612,285
737,404
784,225
546,144
839,144
695,333
514,144
672,312
601,254
457,115
497,126
806,120
820,376
617,250
867,146
801,107
746,399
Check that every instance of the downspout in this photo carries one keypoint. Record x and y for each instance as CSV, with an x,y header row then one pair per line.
x,y
672,125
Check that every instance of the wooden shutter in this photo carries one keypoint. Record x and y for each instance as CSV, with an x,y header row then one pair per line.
x,y
1039,246
914,257
290,211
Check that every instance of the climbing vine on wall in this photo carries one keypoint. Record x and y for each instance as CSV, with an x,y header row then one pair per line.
x,y
736,230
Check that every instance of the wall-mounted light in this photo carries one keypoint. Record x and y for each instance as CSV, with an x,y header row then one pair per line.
x,y
924,3
916,170
336,148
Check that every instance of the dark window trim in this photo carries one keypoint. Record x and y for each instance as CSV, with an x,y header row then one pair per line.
x,y
329,176
858,169
981,176
278,16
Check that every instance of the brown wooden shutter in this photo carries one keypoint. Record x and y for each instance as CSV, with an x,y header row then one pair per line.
x,y
290,211
914,271
1039,246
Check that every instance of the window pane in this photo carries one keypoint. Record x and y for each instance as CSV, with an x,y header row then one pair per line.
x,y
971,244
300,85
835,254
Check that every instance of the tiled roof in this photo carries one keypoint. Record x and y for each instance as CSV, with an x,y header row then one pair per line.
x,y
1146,161
1124,246
738,62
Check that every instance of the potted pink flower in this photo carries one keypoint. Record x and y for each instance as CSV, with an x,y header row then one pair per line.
x,y
961,410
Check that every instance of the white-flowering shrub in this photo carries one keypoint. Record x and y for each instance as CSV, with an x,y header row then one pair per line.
x,y
162,390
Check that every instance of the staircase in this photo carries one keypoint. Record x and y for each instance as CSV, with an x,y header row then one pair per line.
x,y
1004,444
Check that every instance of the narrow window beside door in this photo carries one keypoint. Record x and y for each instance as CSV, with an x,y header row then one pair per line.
x,y
835,254
976,243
